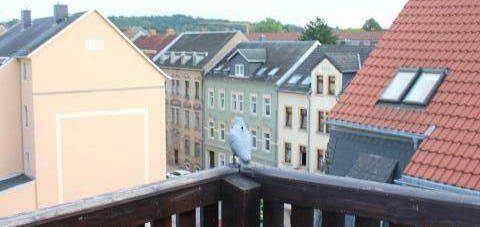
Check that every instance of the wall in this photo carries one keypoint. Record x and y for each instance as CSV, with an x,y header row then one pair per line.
x,y
19,199
11,157
99,113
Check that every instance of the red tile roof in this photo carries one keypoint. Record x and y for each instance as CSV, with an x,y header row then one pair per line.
x,y
372,36
154,42
273,36
428,33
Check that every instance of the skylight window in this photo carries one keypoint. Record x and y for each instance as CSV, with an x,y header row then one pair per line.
x,y
415,87
220,67
294,79
261,71
273,72
398,86
423,88
307,81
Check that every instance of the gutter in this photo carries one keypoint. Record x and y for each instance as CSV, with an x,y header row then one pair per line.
x,y
430,185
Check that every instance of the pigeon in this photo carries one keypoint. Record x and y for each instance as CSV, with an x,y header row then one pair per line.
x,y
240,141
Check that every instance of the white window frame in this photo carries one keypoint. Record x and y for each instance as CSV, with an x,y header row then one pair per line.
x,y
254,138
240,70
265,97
240,102
234,100
222,132
221,100
211,98
211,129
269,141
253,104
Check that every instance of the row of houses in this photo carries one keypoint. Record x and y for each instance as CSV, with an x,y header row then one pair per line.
x,y
283,89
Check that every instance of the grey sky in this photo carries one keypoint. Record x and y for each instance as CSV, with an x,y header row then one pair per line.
x,y
343,13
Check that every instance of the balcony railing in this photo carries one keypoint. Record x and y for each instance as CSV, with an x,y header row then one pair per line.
x,y
241,191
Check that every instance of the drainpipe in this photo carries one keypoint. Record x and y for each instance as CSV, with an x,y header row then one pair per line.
x,y
309,127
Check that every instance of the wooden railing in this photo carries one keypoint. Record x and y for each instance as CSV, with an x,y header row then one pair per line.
x,y
240,196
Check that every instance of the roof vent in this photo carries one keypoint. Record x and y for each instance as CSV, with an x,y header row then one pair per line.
x,y
60,13
26,18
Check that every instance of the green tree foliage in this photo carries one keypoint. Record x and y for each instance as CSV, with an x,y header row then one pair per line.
x,y
353,30
319,30
267,25
372,25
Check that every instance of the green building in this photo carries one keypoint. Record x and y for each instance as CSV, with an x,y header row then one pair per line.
x,y
245,84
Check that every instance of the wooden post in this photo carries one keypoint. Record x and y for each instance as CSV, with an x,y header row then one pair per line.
x,y
240,202
186,219
210,215
164,222
366,222
301,216
332,219
273,213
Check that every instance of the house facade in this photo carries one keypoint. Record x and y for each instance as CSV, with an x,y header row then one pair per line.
x,y
411,116
245,84
71,132
186,60
305,100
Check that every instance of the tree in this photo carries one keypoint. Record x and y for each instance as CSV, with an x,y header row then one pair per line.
x,y
267,25
319,30
372,25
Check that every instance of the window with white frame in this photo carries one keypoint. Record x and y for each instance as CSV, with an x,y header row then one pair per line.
x,y
211,98
253,104
288,153
175,119
211,128
222,132
221,159
221,100
239,70
267,141
254,139
197,120
240,102
234,102
187,119
267,105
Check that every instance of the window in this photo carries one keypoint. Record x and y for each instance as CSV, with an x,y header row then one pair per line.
x,y
187,88
321,123
288,116
253,104
266,142
303,118
320,84
187,147
254,139
234,102
267,106
398,86
211,99
288,153
221,159
331,85
26,120
197,120
197,90
212,129
307,81
221,100
240,102
327,128
222,132
175,119
303,156
273,72
198,149
177,87
175,154
239,70
172,89
423,88
320,159
187,119
294,79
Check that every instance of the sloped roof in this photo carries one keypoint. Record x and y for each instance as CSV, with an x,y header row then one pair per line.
x,y
18,41
373,168
280,55
200,42
372,36
254,55
273,36
432,34
154,42
344,58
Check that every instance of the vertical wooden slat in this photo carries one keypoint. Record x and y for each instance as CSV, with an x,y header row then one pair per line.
x,y
302,216
210,215
186,219
164,222
332,219
240,202
273,214
366,222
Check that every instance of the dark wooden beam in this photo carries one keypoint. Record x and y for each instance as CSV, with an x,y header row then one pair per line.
x,y
210,215
186,219
332,219
388,202
301,216
164,222
366,222
273,214
240,202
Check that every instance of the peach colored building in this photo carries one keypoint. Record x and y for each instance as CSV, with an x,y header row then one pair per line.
x,y
83,111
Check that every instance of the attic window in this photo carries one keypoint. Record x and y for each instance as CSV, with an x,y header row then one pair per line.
x,y
307,81
294,79
413,86
273,72
261,71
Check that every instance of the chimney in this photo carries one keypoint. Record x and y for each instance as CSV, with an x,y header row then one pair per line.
x,y
152,32
26,18
60,13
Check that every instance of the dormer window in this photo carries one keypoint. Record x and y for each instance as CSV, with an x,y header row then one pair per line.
x,y
413,86
240,70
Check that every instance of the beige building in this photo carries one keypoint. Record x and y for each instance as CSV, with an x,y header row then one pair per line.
x,y
83,111
305,100
186,60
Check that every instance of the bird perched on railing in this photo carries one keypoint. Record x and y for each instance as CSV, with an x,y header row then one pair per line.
x,y
240,140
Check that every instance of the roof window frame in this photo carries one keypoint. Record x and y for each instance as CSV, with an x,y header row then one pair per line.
x,y
417,72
